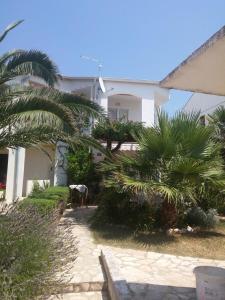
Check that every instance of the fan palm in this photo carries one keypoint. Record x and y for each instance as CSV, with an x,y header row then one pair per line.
x,y
31,115
217,118
177,159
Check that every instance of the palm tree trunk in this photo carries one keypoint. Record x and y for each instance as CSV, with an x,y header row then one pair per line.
x,y
168,215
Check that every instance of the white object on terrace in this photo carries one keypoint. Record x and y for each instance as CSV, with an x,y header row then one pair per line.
x,y
79,187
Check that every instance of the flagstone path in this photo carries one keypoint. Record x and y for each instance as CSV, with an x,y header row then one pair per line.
x,y
136,274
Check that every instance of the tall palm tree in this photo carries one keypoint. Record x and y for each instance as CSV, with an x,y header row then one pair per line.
x,y
30,115
178,158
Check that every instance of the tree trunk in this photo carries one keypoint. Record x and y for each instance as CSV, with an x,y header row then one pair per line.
x,y
168,215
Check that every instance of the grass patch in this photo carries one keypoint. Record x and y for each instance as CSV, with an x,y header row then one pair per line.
x,y
205,244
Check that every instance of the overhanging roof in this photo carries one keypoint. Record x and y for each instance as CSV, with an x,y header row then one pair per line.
x,y
203,71
123,80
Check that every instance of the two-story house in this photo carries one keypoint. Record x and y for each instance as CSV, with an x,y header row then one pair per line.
x,y
135,100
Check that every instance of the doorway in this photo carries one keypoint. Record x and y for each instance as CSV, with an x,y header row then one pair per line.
x,y
3,168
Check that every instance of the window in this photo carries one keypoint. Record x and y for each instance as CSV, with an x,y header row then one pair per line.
x,y
118,114
112,114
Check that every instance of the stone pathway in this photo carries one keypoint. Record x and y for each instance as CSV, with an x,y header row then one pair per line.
x,y
86,279
136,274
154,276
87,267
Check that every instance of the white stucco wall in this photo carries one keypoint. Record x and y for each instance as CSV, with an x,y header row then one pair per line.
x,y
203,103
139,89
38,166
131,103
148,112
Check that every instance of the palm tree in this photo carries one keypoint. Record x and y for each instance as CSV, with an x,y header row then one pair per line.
x,y
32,115
217,118
116,131
178,159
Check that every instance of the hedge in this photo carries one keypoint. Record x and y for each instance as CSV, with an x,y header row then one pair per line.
x,y
47,200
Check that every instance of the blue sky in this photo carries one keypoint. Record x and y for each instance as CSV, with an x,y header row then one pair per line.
x,y
138,39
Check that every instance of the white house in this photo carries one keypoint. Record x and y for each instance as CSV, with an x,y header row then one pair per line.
x,y
135,100
205,104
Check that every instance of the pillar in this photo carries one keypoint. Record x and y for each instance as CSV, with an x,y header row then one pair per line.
x,y
148,111
104,103
15,174
60,172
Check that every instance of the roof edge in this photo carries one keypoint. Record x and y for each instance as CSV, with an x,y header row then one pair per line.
x,y
142,81
216,36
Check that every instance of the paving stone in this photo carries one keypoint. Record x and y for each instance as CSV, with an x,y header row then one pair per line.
x,y
148,275
168,276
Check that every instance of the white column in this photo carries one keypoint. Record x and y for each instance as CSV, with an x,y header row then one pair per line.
x,y
15,174
148,111
60,174
10,176
104,103
19,176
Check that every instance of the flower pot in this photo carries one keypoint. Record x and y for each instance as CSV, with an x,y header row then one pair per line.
x,y
210,283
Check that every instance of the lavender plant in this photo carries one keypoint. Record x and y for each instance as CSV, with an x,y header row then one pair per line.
x,y
35,254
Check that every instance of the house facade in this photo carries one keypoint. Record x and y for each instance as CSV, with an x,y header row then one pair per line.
x,y
133,100
205,104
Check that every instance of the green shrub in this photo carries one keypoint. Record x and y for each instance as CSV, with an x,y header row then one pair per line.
x,y
117,208
80,166
53,192
196,216
82,170
32,250
44,206
46,200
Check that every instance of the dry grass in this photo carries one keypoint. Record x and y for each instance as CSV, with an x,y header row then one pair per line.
x,y
205,244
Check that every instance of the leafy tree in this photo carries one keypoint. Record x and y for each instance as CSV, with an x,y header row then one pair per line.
x,y
116,131
31,115
80,166
177,160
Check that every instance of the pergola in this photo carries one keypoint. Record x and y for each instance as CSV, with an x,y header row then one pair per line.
x,y
203,71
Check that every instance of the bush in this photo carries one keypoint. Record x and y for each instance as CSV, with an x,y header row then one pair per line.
x,y
32,250
53,193
82,170
196,216
117,208
47,200
44,206
80,166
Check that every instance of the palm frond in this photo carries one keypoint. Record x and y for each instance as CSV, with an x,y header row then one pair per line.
x,y
32,62
176,158
9,28
8,55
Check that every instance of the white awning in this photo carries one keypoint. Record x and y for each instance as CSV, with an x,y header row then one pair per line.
x,y
203,71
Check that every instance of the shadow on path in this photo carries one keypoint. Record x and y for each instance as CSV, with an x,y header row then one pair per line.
x,y
79,215
137,291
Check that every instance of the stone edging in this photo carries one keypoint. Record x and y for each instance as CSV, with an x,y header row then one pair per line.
x,y
114,288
